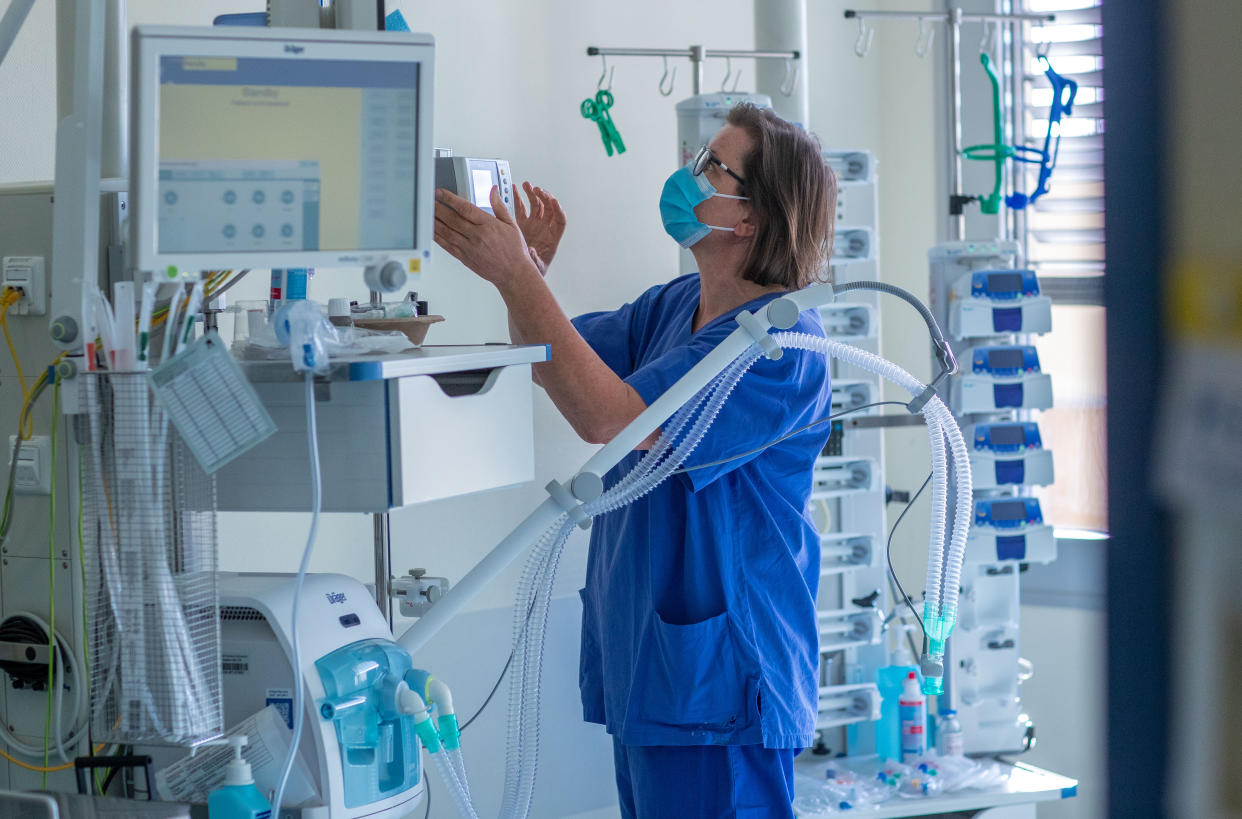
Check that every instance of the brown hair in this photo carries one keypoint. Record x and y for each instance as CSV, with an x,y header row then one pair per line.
x,y
793,196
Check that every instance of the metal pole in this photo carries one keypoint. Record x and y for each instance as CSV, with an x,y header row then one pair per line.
x,y
957,223
383,564
696,54
12,22
942,17
792,54
595,51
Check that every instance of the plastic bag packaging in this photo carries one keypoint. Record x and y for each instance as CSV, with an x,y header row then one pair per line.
x,y
859,785
336,341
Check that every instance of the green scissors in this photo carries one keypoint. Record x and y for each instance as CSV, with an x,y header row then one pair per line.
x,y
597,110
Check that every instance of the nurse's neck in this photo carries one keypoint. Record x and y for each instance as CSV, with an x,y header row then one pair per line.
x,y
721,286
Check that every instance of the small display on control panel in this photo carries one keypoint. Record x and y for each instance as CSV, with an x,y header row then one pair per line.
x,y
473,179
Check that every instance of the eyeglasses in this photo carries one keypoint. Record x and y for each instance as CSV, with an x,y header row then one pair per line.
x,y
704,158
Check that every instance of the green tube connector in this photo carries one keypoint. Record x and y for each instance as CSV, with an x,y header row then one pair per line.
x,y
937,627
450,734
428,734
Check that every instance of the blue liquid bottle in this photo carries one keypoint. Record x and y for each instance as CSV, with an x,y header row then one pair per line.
x,y
890,680
238,798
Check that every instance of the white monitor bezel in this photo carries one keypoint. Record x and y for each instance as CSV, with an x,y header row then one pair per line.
x,y
150,43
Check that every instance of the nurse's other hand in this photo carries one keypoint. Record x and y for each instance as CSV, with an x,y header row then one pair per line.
x,y
491,246
544,224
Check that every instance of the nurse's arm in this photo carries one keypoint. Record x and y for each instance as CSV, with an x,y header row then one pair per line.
x,y
595,401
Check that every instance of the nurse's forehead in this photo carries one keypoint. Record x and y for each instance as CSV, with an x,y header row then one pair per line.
x,y
731,144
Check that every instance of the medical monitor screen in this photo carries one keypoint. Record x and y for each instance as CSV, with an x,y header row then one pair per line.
x,y
1005,282
1008,435
267,154
1008,510
483,176
1005,359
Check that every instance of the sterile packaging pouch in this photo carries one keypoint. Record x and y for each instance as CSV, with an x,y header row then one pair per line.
x,y
192,778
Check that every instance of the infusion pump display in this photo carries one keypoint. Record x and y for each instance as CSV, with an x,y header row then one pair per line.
x,y
473,179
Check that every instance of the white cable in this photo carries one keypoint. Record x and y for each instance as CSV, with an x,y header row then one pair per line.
x,y
312,442
77,732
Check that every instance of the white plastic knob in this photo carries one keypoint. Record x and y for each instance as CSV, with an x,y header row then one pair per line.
x,y
388,277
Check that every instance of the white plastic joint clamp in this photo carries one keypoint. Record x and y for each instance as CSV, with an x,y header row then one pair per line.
x,y
569,503
759,333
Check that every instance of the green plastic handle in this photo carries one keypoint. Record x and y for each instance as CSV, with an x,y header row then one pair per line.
x,y
992,202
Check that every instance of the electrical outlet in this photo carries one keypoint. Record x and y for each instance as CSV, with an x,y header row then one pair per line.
x,y
33,475
28,274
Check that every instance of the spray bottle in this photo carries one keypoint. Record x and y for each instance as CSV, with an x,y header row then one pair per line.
x,y
913,709
238,798
891,679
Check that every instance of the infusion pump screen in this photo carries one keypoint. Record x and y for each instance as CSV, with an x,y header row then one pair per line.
x,y
269,154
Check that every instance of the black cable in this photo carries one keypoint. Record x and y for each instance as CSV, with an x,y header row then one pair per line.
x,y
426,793
503,671
789,435
495,688
888,551
123,750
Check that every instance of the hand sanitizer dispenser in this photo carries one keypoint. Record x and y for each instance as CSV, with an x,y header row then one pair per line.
x,y
238,798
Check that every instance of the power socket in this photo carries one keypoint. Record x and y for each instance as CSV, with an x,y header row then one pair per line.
x,y
27,273
34,465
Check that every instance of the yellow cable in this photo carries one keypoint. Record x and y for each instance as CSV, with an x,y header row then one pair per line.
x,y
43,769
25,418
10,298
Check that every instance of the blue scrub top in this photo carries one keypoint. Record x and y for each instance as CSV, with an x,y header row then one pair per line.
x,y
699,621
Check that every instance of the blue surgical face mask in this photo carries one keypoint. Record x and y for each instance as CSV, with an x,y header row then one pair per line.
x,y
682,192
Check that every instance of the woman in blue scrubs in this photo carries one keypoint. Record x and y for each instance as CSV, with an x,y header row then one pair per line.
x,y
699,633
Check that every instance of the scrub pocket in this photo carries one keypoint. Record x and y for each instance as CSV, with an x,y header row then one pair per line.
x,y
692,676
590,667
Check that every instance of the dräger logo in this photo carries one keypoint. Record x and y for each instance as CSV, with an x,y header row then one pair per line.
x,y
335,597
293,49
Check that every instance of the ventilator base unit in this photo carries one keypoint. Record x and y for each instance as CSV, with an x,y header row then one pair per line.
x,y
365,760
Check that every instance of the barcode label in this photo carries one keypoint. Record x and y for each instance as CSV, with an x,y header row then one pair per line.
x,y
234,664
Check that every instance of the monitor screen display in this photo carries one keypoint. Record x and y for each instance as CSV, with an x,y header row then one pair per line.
x,y
263,154
1008,510
1005,359
482,178
1008,435
1005,282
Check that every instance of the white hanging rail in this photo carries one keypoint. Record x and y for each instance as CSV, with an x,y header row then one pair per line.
x,y
953,18
696,54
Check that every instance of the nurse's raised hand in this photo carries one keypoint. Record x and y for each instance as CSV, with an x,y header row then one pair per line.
x,y
491,246
544,224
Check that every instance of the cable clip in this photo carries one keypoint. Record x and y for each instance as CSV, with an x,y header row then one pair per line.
x,y
760,334
948,367
948,361
569,503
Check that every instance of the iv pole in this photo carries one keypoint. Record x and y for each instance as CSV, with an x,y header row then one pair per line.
x,y
696,54
954,18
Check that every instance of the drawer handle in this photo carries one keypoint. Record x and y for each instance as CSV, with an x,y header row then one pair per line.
x,y
467,382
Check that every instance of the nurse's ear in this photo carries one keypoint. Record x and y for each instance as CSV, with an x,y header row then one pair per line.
x,y
747,227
